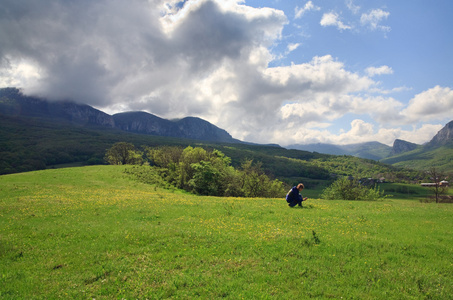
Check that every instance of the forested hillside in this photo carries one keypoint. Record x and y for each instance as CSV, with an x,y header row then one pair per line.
x,y
32,143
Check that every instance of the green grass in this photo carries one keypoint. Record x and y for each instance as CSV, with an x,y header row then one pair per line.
x,y
405,191
92,232
409,191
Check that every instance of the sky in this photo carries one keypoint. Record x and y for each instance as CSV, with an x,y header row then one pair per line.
x,y
266,71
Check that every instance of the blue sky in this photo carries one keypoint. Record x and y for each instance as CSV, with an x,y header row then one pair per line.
x,y
411,39
268,71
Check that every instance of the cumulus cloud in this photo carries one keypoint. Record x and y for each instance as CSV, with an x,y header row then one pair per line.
x,y
361,132
433,104
372,71
205,58
333,19
373,18
307,7
126,51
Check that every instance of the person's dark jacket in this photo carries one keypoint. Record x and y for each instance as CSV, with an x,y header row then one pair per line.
x,y
293,197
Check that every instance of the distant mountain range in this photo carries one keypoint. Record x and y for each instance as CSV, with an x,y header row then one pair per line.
x,y
14,103
436,153
368,150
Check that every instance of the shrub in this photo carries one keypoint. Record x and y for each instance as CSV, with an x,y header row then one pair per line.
x,y
210,173
349,189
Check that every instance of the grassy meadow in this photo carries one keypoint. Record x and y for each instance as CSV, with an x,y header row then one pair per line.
x,y
93,232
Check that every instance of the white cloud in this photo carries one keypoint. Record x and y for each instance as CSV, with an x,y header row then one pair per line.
x,y
352,7
361,128
291,47
434,104
19,72
372,71
373,18
397,89
418,135
205,58
333,19
109,52
307,7
359,132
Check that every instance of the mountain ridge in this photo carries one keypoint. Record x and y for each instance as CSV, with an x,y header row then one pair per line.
x,y
367,150
443,137
14,103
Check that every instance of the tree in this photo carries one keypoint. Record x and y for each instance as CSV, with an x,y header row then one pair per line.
x,y
255,183
123,154
189,156
252,176
437,188
164,156
212,175
206,179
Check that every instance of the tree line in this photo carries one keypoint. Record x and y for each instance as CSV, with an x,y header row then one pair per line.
x,y
200,171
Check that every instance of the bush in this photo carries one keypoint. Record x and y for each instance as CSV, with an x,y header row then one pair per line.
x,y
347,189
210,173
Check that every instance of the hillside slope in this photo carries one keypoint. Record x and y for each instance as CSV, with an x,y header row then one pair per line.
x,y
92,232
28,144
437,153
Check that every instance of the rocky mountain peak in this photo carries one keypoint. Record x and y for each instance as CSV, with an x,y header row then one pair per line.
x,y
443,137
400,146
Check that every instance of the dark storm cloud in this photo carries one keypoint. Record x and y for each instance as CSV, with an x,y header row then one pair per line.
x,y
103,51
205,58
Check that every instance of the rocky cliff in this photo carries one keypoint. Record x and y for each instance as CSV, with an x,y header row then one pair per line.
x,y
443,137
400,146
143,122
196,128
14,103
190,127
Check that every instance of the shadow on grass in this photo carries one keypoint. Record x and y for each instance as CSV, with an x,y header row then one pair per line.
x,y
307,206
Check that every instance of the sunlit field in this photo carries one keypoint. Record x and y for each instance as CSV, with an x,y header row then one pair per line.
x,y
93,232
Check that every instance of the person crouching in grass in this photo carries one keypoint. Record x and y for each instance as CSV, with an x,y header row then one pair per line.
x,y
294,197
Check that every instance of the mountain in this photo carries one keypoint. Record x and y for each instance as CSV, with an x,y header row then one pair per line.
x,y
369,150
190,127
14,103
199,129
400,146
142,122
437,153
319,148
443,137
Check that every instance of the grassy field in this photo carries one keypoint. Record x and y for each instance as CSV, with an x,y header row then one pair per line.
x,y
92,232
